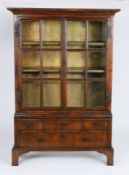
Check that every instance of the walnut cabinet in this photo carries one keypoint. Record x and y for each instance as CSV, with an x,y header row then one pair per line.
x,y
63,79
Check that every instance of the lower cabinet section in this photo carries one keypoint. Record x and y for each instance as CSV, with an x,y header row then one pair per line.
x,y
62,139
75,133
61,133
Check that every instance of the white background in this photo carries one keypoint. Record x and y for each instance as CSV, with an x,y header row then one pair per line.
x,y
69,163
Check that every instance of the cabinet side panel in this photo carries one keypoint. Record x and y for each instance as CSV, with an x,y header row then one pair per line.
x,y
109,63
17,62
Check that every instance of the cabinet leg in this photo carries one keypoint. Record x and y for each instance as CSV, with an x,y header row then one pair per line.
x,y
15,157
110,157
16,152
109,153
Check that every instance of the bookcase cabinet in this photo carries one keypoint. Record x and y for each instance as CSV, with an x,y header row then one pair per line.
x,y
63,77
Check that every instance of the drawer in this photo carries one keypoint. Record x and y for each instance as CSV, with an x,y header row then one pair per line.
x,y
28,124
62,139
49,125
95,125
61,125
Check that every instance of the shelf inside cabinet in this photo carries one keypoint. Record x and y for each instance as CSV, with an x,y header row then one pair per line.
x,y
51,73
96,73
51,69
75,44
75,73
31,44
96,44
51,44
75,69
30,73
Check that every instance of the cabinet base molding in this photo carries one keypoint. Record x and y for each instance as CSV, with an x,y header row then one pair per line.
x,y
17,152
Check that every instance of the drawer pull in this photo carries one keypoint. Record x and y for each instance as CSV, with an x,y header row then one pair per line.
x,y
86,139
40,140
62,125
30,125
62,136
95,124
44,129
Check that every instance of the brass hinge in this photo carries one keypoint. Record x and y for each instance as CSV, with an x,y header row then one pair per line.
x,y
18,96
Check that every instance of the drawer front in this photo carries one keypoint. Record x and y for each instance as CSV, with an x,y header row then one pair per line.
x,y
95,125
61,125
49,125
28,124
62,139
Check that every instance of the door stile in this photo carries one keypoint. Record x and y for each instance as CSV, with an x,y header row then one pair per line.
x,y
63,63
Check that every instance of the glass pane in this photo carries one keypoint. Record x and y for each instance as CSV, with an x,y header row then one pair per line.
x,y
96,64
95,93
96,34
75,94
51,94
51,59
75,34
31,59
30,33
51,34
75,59
30,73
31,94
96,60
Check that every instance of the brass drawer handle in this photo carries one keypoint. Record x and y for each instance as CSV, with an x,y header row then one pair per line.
x,y
30,125
86,139
44,129
62,136
41,140
62,126
95,124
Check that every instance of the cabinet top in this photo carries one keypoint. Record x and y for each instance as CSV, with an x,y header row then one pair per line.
x,y
63,12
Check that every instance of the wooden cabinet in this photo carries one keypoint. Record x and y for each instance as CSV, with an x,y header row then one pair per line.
x,y
63,75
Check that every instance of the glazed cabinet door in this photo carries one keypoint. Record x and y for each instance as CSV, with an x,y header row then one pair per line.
x,y
63,63
41,63
86,63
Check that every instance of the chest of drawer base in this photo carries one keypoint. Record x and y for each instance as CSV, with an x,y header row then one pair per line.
x,y
61,139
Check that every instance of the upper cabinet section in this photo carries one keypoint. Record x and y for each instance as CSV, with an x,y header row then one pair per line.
x,y
63,57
